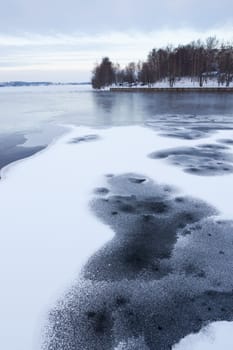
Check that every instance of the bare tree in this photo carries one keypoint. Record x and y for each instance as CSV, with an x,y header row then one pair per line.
x,y
198,61
103,74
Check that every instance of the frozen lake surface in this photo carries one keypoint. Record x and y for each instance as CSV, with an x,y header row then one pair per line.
x,y
116,220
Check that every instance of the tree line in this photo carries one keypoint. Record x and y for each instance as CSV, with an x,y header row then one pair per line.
x,y
199,61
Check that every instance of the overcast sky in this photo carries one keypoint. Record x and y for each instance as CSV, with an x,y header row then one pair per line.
x,y
62,39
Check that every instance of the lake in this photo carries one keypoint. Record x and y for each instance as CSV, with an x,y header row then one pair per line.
x,y
116,219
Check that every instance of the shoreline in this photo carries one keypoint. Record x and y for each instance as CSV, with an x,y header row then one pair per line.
x,y
174,89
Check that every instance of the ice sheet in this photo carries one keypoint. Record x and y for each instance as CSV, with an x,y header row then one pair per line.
x,y
47,229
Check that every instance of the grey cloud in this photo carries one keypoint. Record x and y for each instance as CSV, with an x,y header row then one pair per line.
x,y
98,16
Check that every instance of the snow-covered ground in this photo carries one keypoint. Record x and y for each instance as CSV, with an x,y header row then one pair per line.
x,y
185,83
48,231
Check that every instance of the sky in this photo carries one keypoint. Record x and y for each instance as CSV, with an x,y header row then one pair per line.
x,y
62,40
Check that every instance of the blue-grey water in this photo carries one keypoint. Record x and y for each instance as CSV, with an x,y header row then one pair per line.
x,y
30,118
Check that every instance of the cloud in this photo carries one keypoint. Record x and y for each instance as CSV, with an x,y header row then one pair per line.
x,y
41,54
71,35
102,16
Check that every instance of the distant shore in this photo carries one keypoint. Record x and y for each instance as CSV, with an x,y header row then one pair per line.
x,y
173,89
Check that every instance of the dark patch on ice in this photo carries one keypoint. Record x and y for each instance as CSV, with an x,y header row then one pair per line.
x,y
226,141
207,159
190,127
137,180
101,190
162,277
213,146
192,132
86,138
186,134
135,217
12,148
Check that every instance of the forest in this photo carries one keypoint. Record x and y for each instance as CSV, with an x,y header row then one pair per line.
x,y
199,61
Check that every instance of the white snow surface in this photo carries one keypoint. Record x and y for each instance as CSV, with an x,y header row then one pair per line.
x,y
186,83
216,336
48,231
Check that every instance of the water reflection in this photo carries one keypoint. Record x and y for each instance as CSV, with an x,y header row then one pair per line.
x,y
31,109
44,110
137,108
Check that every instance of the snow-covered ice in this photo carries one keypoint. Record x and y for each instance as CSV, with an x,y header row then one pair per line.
x,y
216,336
48,231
